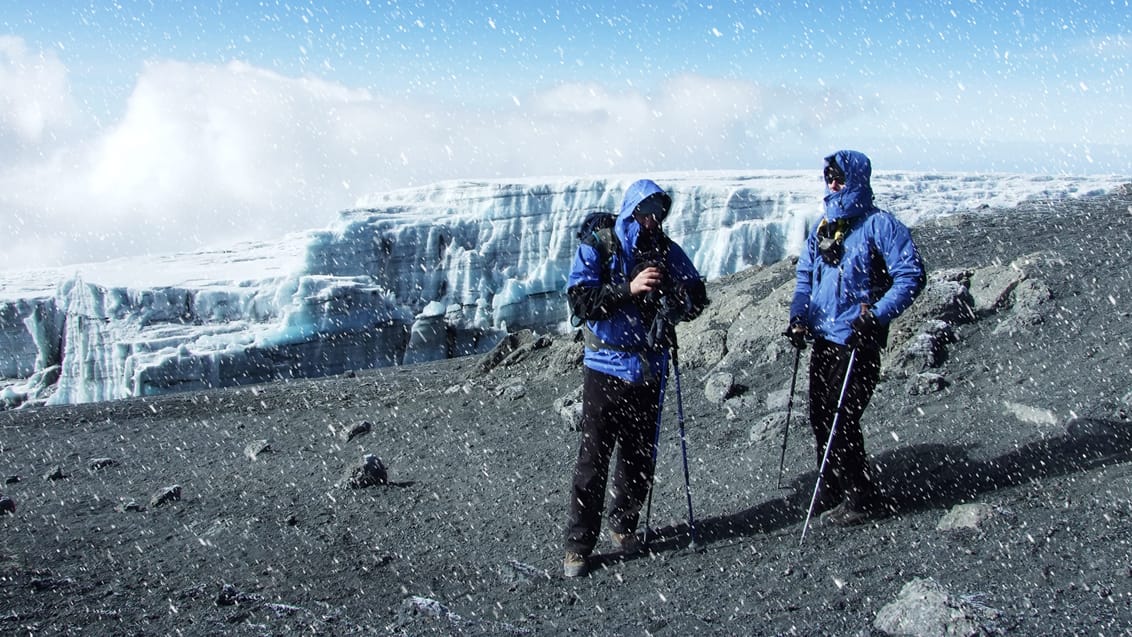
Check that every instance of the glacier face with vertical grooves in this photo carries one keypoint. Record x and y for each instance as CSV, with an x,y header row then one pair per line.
x,y
407,276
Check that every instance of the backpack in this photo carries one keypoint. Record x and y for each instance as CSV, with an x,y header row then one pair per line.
x,y
597,231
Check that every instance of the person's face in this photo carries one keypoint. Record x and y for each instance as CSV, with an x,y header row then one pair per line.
x,y
648,222
835,180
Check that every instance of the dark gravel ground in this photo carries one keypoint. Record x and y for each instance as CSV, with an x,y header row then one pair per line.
x,y
466,536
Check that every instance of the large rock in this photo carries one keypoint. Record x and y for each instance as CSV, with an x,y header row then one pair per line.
x,y
926,350
1029,306
742,323
991,287
719,387
926,609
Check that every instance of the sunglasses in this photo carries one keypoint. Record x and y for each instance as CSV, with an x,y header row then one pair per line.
x,y
655,206
833,175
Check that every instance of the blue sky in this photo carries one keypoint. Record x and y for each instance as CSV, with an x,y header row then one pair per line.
x,y
139,126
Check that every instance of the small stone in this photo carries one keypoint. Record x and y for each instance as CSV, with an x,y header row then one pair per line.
x,y
779,400
926,383
227,595
231,596
166,495
569,409
129,506
965,516
740,407
43,584
349,433
7,505
1030,414
372,472
770,427
101,463
257,447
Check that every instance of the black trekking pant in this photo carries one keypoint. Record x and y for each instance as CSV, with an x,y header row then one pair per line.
x,y
614,414
847,475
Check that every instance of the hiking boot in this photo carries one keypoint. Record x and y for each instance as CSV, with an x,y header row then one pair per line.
x,y
626,543
846,514
575,565
827,500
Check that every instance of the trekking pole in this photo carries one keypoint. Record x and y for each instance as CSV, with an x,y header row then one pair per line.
x,y
828,444
789,411
655,445
684,446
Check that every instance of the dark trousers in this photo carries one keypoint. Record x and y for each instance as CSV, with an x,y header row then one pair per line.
x,y
847,474
614,414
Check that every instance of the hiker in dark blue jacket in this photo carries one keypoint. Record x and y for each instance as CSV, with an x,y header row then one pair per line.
x,y
857,272
629,302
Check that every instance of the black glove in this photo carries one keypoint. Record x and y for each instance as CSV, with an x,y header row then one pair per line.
x,y
865,328
796,332
662,333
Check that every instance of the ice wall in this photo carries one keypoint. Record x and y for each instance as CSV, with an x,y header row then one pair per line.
x,y
408,276
497,255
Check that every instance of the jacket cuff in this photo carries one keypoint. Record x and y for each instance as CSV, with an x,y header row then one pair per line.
x,y
621,292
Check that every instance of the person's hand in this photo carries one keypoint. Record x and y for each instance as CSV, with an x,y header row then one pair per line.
x,y
864,329
646,281
796,332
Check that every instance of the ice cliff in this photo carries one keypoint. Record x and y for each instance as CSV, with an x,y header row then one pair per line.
x,y
408,276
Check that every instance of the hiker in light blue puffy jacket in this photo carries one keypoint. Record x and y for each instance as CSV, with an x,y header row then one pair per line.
x,y
857,272
630,303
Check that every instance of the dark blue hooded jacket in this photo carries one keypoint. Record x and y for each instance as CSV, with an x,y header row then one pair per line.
x,y
880,265
613,317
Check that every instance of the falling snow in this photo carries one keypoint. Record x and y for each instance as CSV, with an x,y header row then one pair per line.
x,y
464,536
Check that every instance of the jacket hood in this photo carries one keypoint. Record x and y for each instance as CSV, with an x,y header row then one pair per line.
x,y
856,197
626,227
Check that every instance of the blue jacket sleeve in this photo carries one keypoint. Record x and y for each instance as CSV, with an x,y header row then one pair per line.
x,y
803,282
902,259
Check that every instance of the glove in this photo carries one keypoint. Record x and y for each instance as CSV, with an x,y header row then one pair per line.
x,y
662,333
796,332
865,329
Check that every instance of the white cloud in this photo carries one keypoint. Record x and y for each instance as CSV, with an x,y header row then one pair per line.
x,y
207,154
34,93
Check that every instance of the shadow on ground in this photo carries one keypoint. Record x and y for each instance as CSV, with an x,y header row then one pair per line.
x,y
922,477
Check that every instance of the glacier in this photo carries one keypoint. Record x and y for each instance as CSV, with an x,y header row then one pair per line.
x,y
406,276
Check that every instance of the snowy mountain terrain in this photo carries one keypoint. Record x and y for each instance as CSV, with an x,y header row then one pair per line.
x,y
430,499
408,276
